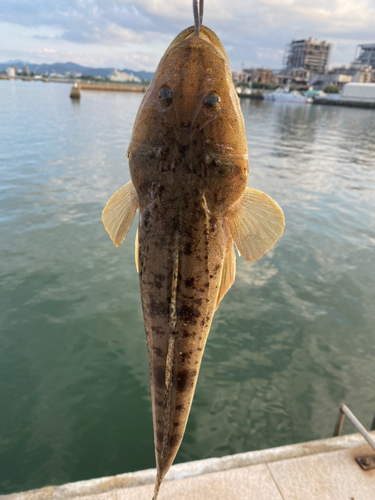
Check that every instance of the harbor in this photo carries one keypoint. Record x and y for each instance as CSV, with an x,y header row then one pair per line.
x,y
292,340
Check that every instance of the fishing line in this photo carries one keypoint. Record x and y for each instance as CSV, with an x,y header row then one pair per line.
x,y
198,15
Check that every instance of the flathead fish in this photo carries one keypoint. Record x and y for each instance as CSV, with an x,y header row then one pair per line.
x,y
189,168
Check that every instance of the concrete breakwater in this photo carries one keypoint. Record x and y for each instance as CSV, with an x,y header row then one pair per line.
x,y
112,87
257,96
77,87
345,102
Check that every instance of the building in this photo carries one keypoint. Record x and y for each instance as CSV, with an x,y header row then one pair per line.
x,y
117,76
297,77
11,72
263,76
365,55
310,54
339,76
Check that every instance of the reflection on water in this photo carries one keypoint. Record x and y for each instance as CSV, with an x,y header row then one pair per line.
x,y
292,339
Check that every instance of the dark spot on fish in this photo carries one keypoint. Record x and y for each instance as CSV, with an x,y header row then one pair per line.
x,y
189,282
159,436
182,150
158,308
217,267
159,376
207,284
185,380
202,322
199,349
176,424
159,422
211,275
158,330
184,356
187,249
198,302
159,403
179,407
188,314
175,440
158,352
151,156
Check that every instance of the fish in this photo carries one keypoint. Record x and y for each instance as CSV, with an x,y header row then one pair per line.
x,y
189,170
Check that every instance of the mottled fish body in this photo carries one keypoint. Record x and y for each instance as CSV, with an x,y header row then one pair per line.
x,y
189,169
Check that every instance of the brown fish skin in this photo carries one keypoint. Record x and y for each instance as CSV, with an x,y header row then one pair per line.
x,y
189,168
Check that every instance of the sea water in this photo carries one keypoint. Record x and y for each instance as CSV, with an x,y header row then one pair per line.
x,y
292,339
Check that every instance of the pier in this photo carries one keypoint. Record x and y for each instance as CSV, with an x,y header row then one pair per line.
x,y
112,87
345,102
324,469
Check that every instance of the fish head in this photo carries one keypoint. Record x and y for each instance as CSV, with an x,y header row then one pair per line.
x,y
190,119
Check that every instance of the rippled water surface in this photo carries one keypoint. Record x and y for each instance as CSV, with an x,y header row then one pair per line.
x,y
292,339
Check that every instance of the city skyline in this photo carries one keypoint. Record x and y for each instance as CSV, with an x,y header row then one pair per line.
x,y
135,34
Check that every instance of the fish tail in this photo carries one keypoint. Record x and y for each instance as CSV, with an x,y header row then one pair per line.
x,y
157,487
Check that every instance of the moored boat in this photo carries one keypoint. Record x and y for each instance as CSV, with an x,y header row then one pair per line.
x,y
282,95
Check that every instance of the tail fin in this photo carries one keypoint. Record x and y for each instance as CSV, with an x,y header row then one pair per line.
x,y
157,487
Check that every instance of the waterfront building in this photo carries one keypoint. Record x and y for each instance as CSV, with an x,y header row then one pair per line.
x,y
309,54
118,76
365,55
297,77
339,76
11,72
263,76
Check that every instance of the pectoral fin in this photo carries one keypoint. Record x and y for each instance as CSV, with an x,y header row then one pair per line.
x,y
119,213
256,222
228,272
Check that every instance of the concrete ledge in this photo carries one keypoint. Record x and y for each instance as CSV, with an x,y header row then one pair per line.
x,y
190,469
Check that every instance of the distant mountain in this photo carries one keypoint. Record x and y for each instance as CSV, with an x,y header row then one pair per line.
x,y
62,68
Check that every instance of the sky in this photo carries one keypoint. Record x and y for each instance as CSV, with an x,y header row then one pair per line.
x,y
134,34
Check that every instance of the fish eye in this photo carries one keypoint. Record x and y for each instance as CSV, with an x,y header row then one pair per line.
x,y
165,96
212,101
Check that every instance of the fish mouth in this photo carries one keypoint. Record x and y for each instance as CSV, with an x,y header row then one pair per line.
x,y
205,35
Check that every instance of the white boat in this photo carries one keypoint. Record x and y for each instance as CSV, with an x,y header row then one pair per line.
x,y
282,95
241,90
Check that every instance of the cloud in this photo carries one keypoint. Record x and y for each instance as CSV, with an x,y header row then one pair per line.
x,y
42,51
